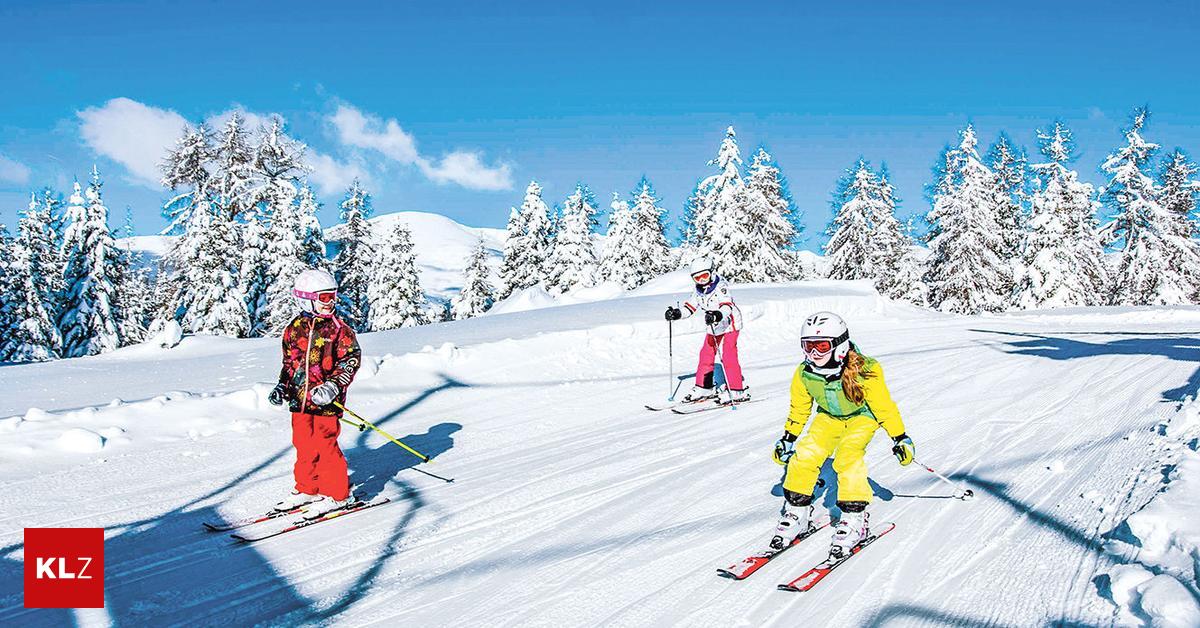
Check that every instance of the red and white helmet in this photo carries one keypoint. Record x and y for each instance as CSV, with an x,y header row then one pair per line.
x,y
314,285
701,270
824,333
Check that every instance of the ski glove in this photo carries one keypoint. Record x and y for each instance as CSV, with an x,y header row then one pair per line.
x,y
324,394
277,395
673,313
904,450
784,448
712,317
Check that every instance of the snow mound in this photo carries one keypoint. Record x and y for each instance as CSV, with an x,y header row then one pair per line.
x,y
80,440
533,298
1168,533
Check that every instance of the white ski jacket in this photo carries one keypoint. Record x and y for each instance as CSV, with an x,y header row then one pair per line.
x,y
715,296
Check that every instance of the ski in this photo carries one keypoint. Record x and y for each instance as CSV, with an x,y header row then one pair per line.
x,y
743,568
304,523
705,407
677,404
816,574
226,526
248,521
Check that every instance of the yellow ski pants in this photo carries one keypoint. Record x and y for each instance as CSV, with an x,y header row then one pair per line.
x,y
847,441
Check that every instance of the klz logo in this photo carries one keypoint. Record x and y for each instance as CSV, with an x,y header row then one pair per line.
x,y
64,567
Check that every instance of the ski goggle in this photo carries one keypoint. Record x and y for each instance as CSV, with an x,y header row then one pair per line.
x,y
323,297
817,346
703,276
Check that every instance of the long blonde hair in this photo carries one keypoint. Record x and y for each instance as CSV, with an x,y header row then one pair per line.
x,y
851,384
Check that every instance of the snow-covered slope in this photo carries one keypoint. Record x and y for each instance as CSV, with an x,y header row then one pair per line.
x,y
574,506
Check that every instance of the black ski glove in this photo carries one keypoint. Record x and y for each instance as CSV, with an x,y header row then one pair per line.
x,y
277,395
673,313
712,317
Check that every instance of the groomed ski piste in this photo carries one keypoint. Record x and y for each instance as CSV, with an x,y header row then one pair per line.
x,y
574,506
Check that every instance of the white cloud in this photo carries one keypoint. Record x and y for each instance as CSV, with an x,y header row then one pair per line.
x,y
331,176
466,168
134,135
251,121
12,171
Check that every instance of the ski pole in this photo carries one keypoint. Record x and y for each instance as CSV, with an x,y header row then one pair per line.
x,y
720,351
959,491
671,358
365,424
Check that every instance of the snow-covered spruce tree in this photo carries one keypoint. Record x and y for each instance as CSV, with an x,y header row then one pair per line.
x,y
314,236
352,265
134,298
1156,265
769,212
88,319
851,249
527,245
573,262
636,248
477,294
395,288
967,272
268,270
719,196
8,293
54,214
1179,190
35,336
1062,261
286,250
234,176
1011,168
254,270
896,264
210,299
185,173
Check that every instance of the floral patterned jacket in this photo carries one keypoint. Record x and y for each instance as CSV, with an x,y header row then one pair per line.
x,y
317,350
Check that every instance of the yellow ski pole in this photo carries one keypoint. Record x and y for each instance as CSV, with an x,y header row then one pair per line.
x,y
366,423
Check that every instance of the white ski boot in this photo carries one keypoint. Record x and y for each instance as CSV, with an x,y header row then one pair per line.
x,y
793,521
294,500
325,505
849,531
699,393
739,396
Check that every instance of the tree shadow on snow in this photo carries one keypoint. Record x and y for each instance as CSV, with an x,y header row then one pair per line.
x,y
1179,347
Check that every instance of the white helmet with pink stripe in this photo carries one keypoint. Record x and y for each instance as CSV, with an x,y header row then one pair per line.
x,y
314,285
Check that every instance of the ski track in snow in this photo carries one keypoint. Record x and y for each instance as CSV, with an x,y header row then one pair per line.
x,y
574,506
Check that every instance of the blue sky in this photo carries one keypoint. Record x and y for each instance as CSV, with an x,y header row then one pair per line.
x,y
454,107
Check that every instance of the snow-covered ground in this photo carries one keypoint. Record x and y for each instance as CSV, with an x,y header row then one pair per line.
x,y
574,506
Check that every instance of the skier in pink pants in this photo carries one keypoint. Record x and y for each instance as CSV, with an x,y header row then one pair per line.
x,y
724,321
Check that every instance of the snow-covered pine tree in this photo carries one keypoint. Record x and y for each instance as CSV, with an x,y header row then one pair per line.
x,y
719,197
310,227
35,336
396,298
54,214
254,270
8,293
1062,261
288,258
967,272
186,174
1011,168
352,265
898,271
636,248
477,294
770,214
1179,190
1157,264
134,299
234,176
851,249
208,293
528,244
573,262
88,319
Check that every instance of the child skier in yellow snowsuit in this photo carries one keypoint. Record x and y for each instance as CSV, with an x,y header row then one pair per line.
x,y
852,401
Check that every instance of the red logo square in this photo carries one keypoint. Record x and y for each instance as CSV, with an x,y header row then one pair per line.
x,y
64,567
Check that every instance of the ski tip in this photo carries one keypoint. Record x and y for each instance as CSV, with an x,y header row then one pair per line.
x,y
788,587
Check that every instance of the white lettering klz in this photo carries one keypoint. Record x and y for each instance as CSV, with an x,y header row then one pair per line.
x,y
45,569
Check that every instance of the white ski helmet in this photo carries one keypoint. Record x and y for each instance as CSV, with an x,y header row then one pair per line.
x,y
826,326
311,283
701,265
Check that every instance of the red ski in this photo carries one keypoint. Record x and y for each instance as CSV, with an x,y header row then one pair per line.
x,y
225,526
742,569
304,523
816,574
